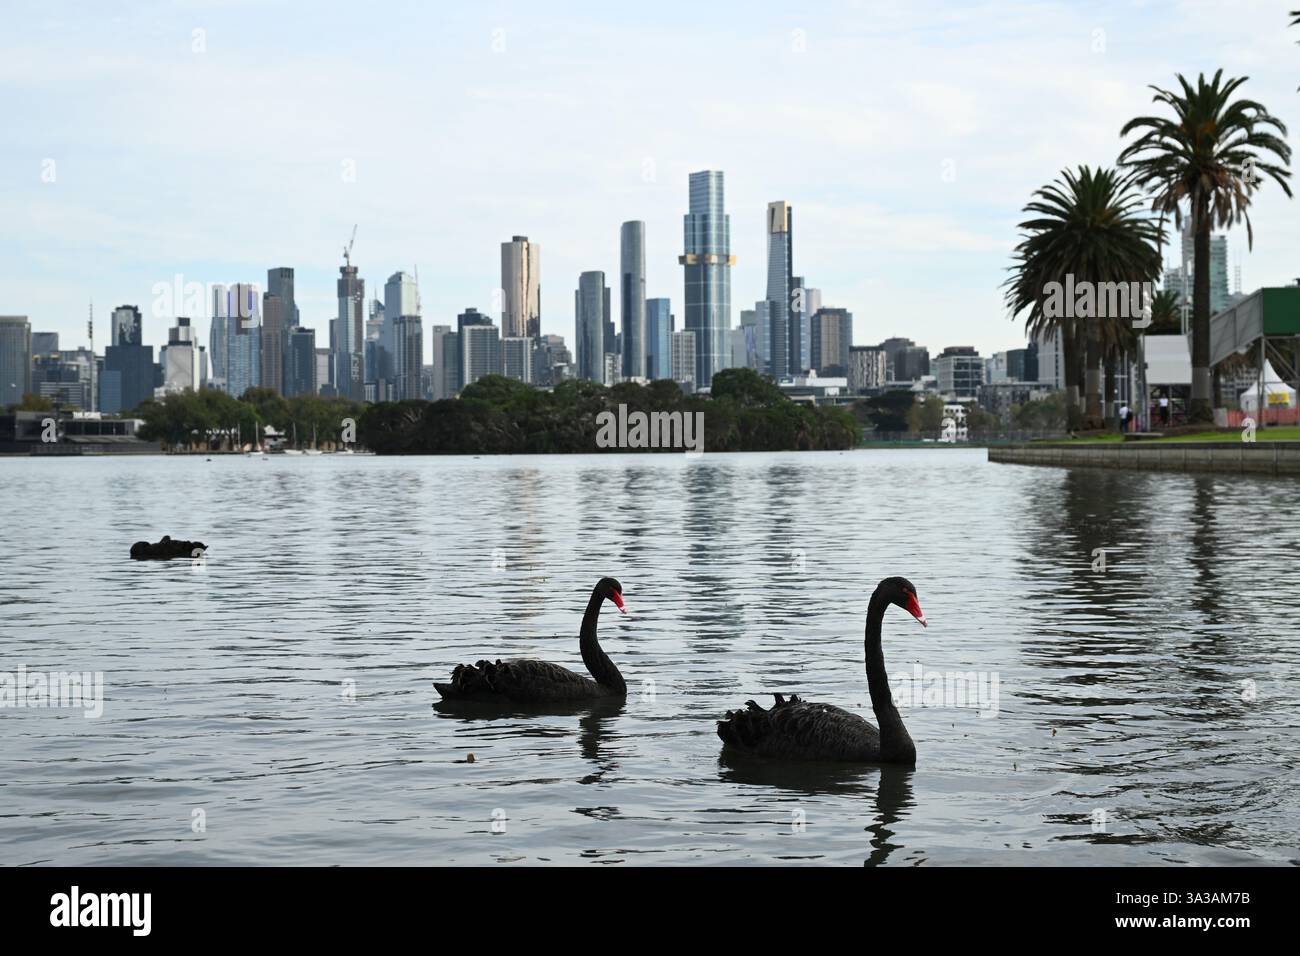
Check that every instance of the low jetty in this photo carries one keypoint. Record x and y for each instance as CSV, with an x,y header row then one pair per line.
x,y
1229,457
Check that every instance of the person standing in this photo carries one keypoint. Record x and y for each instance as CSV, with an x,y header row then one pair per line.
x,y
1164,410
1124,414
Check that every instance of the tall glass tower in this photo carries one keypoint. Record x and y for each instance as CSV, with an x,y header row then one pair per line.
x,y
708,261
632,293
782,336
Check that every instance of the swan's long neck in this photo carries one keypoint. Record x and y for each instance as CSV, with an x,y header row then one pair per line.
x,y
599,665
895,743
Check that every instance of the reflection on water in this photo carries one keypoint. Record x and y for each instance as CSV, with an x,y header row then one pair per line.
x,y
1147,712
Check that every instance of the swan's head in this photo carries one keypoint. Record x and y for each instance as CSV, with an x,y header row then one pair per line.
x,y
611,590
901,592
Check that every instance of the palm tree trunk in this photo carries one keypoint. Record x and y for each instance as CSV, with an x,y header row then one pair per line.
x,y
1112,375
1071,366
1092,415
1200,409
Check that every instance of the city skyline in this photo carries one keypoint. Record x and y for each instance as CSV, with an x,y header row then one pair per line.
x,y
890,195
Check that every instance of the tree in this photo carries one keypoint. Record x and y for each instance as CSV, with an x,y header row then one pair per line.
x,y
1209,155
926,415
1086,225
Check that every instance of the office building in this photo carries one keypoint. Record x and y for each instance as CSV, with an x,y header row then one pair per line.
x,y
907,361
130,375
407,337
15,359
632,306
658,339
45,343
831,339
592,326
274,329
470,317
184,362
959,372
300,362
324,368
707,261
279,283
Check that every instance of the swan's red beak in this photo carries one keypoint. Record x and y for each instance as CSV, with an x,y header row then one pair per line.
x,y
618,601
914,609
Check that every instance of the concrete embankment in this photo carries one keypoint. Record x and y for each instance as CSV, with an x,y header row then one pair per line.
x,y
1260,458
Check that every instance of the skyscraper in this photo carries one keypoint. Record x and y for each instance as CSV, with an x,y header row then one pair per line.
x,y
184,361
408,352
349,342
780,290
685,363
632,297
15,359
800,337
832,336
129,371
708,261
480,351
591,316
300,362
469,317
275,326
805,305
517,357
241,304
521,290
658,339
445,365
279,282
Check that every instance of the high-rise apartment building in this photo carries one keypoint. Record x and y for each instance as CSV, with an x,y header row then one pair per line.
x,y
907,361
240,306
708,260
445,367
685,363
521,288
867,368
279,282
480,352
517,358
780,288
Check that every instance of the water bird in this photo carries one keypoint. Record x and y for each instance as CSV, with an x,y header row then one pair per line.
x,y
166,549
796,729
538,682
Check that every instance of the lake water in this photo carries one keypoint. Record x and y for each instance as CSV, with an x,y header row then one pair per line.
x,y
273,705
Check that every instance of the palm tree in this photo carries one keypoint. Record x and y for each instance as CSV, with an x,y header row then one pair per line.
x,y
1164,313
1088,225
1210,154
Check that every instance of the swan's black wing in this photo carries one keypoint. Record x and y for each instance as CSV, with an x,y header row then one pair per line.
x,y
795,729
521,680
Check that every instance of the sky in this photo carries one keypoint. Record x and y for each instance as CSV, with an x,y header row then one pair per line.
x,y
213,140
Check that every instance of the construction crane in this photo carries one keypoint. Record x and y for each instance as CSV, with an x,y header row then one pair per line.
x,y
347,250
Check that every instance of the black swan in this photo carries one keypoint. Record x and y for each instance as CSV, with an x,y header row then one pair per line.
x,y
797,729
535,682
166,549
